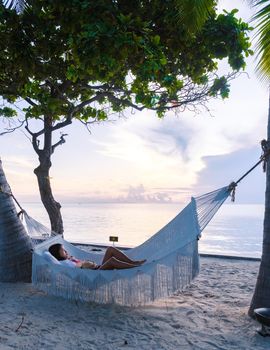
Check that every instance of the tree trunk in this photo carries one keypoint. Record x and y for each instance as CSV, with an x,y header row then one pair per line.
x,y
43,176
15,244
52,207
261,296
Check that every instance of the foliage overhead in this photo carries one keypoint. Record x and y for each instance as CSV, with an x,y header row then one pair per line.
x,y
85,59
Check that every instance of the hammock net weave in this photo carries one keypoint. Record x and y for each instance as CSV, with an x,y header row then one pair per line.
x,y
172,261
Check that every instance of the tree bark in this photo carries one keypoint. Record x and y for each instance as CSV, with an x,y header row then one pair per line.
x,y
261,296
43,176
15,244
51,205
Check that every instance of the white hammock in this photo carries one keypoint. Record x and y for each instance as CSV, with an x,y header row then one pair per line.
x,y
172,261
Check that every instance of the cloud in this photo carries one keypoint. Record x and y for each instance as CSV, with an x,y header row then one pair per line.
x,y
139,194
221,170
19,175
173,152
18,162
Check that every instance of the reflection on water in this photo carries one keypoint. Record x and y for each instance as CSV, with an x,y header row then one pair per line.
x,y
235,230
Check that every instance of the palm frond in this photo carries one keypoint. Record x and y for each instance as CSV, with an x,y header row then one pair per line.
x,y
193,13
18,5
262,20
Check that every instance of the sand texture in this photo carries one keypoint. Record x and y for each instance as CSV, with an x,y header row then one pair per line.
x,y
210,314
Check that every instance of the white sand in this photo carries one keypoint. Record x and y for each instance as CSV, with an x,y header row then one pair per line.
x,y
210,314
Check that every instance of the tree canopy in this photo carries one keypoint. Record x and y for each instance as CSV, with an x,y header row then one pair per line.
x,y
85,59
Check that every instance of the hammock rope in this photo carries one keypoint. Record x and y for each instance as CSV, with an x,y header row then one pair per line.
x,y
14,198
35,229
265,145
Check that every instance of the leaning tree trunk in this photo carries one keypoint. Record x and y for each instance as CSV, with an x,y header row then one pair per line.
x,y
261,296
15,244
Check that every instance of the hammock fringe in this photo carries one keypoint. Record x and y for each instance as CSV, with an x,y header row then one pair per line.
x,y
172,261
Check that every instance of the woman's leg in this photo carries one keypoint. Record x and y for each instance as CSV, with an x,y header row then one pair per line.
x,y
113,252
113,263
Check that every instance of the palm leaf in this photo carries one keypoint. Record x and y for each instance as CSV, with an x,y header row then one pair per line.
x,y
262,20
193,13
18,5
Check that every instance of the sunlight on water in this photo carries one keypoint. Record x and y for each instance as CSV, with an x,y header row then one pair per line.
x,y
235,230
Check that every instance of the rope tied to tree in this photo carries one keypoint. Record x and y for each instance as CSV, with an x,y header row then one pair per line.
x,y
14,198
35,229
265,152
231,189
263,159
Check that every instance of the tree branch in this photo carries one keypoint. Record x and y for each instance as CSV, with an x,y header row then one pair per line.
x,y
27,99
87,102
60,125
58,91
35,141
27,127
10,130
60,142
126,102
95,87
88,124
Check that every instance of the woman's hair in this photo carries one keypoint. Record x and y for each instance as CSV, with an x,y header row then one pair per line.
x,y
54,250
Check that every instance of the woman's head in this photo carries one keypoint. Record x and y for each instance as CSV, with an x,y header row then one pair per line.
x,y
58,251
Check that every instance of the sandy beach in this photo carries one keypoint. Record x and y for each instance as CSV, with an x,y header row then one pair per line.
x,y
210,314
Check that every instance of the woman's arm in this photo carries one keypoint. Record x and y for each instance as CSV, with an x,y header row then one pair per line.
x,y
79,264
87,265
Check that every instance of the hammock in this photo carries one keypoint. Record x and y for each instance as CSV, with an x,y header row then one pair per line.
x,y
172,260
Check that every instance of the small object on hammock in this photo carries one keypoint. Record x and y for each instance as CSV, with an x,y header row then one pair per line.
x,y
262,315
96,250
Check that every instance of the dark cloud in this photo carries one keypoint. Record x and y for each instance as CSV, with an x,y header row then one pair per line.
x,y
221,170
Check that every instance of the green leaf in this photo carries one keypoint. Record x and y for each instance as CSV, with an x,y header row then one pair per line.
x,y
7,112
156,39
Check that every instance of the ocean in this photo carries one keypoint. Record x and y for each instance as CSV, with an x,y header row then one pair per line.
x,y
237,229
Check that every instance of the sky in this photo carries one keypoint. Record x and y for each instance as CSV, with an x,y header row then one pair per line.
x,y
141,158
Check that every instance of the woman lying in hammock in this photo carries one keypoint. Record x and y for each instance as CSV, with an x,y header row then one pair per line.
x,y
113,259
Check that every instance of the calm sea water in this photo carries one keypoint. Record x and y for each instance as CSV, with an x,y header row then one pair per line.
x,y
235,230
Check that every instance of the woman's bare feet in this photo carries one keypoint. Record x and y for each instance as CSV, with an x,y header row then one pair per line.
x,y
139,262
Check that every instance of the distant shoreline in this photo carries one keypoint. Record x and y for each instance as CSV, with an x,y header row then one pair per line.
x,y
78,202
234,257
